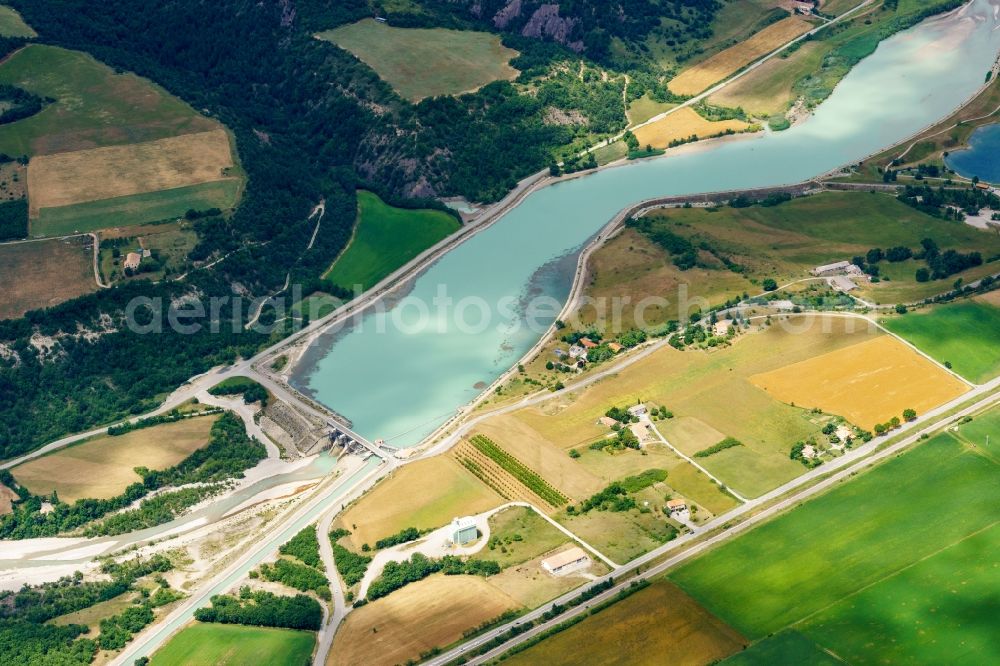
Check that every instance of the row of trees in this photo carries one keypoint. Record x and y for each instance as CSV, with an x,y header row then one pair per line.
x,y
940,264
263,609
895,422
399,574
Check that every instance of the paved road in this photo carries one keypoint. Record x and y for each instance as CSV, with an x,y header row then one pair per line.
x,y
842,467
332,620
175,399
341,491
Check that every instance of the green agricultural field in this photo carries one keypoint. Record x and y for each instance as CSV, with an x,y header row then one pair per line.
x,y
420,62
135,209
965,334
943,609
94,106
870,575
12,25
385,238
645,108
788,647
220,644
611,153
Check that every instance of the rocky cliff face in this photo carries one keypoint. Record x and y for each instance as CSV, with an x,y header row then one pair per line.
x,y
581,25
545,22
541,21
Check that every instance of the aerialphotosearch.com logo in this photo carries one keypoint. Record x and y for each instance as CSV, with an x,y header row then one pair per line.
x,y
440,314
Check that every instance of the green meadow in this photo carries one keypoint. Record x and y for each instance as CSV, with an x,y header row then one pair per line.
x,y
788,647
385,238
234,645
895,566
135,209
93,105
12,25
965,334
784,242
426,62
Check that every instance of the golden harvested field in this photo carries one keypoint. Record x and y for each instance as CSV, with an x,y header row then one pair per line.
x,y
701,76
426,494
867,383
7,496
64,179
769,89
104,466
712,387
44,273
430,613
657,625
682,124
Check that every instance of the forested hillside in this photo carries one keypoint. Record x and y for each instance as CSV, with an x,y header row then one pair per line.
x,y
584,26
298,132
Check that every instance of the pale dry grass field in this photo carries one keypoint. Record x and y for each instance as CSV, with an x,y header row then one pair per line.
x,y
866,383
104,466
657,625
426,494
681,125
530,585
44,273
689,434
423,615
7,496
64,179
701,76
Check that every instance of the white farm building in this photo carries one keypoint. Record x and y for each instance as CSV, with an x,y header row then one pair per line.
x,y
567,562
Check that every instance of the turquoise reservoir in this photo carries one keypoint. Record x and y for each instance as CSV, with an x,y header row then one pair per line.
x,y
402,382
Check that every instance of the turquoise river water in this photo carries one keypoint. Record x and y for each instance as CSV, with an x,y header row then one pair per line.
x,y
402,382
